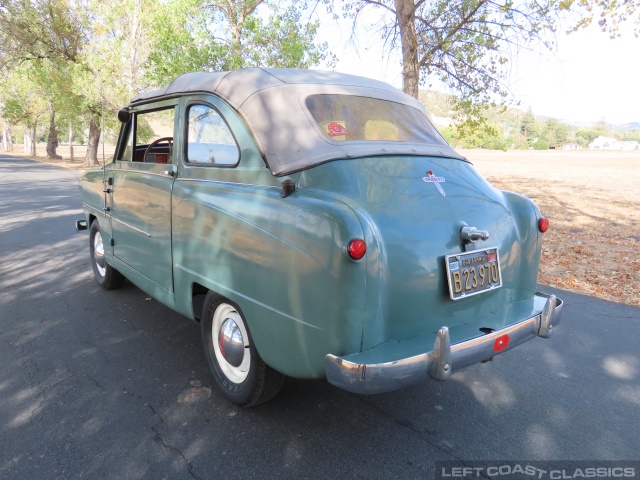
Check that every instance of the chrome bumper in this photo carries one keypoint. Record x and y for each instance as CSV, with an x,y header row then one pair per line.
x,y
444,359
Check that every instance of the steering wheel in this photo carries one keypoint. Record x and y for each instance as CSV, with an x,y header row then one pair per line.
x,y
155,143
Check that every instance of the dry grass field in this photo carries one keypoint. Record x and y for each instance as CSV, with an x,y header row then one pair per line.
x,y
592,199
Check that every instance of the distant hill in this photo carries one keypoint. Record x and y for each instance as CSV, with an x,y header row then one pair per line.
x,y
628,126
439,106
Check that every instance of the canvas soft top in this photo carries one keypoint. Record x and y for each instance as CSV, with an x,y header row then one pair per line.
x,y
272,102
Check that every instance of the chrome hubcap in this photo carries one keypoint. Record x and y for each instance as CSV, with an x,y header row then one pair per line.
x,y
98,254
231,343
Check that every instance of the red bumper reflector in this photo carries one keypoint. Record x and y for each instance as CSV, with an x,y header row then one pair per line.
x,y
501,343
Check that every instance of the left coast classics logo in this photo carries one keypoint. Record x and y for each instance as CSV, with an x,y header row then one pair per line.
x,y
436,181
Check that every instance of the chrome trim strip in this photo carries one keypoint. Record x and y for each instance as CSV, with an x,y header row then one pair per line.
x,y
93,209
253,300
389,376
133,168
228,182
130,226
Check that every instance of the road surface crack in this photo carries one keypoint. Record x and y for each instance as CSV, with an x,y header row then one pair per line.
x,y
158,436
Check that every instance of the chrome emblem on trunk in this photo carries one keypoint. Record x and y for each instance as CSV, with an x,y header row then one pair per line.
x,y
431,178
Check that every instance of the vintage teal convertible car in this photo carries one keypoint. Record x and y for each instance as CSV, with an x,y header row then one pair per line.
x,y
316,225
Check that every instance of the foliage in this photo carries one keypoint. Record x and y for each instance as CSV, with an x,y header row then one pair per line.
x,y
556,133
631,135
528,127
584,136
488,138
511,129
467,45
92,57
284,41
232,34
23,102
517,141
464,45
45,39
41,29
540,144
609,14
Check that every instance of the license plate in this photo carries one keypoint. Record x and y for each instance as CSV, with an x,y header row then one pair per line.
x,y
471,273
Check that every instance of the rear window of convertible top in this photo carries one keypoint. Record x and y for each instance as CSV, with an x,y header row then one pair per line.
x,y
354,118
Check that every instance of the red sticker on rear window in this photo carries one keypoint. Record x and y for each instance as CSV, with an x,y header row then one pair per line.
x,y
336,130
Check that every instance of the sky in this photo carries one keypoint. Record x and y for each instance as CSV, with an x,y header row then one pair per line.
x,y
588,78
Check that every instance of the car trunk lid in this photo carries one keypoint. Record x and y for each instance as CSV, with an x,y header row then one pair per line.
x,y
412,210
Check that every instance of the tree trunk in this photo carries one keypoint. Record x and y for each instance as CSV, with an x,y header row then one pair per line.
x,y
34,139
406,16
237,13
4,136
52,141
71,140
92,146
9,139
26,141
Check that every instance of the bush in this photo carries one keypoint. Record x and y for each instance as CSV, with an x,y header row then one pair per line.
x,y
518,141
487,137
494,143
540,144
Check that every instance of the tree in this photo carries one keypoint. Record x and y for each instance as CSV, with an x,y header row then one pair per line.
x,y
585,136
231,34
465,45
528,127
491,139
556,132
45,35
23,104
95,55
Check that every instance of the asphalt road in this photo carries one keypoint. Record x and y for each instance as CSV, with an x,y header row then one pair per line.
x,y
97,384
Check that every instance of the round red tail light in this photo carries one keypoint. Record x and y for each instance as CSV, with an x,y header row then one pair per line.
x,y
543,224
357,248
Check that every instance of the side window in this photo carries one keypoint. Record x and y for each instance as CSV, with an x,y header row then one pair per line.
x,y
209,140
154,129
126,149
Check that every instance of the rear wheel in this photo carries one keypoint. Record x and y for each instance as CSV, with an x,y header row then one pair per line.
x,y
107,276
239,372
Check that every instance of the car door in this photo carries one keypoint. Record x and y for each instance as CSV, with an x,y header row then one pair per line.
x,y
141,193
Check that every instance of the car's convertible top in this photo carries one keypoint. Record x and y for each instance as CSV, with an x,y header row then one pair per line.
x,y
282,109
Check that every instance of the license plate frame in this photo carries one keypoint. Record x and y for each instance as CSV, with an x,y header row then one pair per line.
x,y
485,267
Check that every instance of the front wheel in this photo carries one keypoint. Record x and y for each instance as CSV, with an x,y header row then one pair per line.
x,y
107,276
239,372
